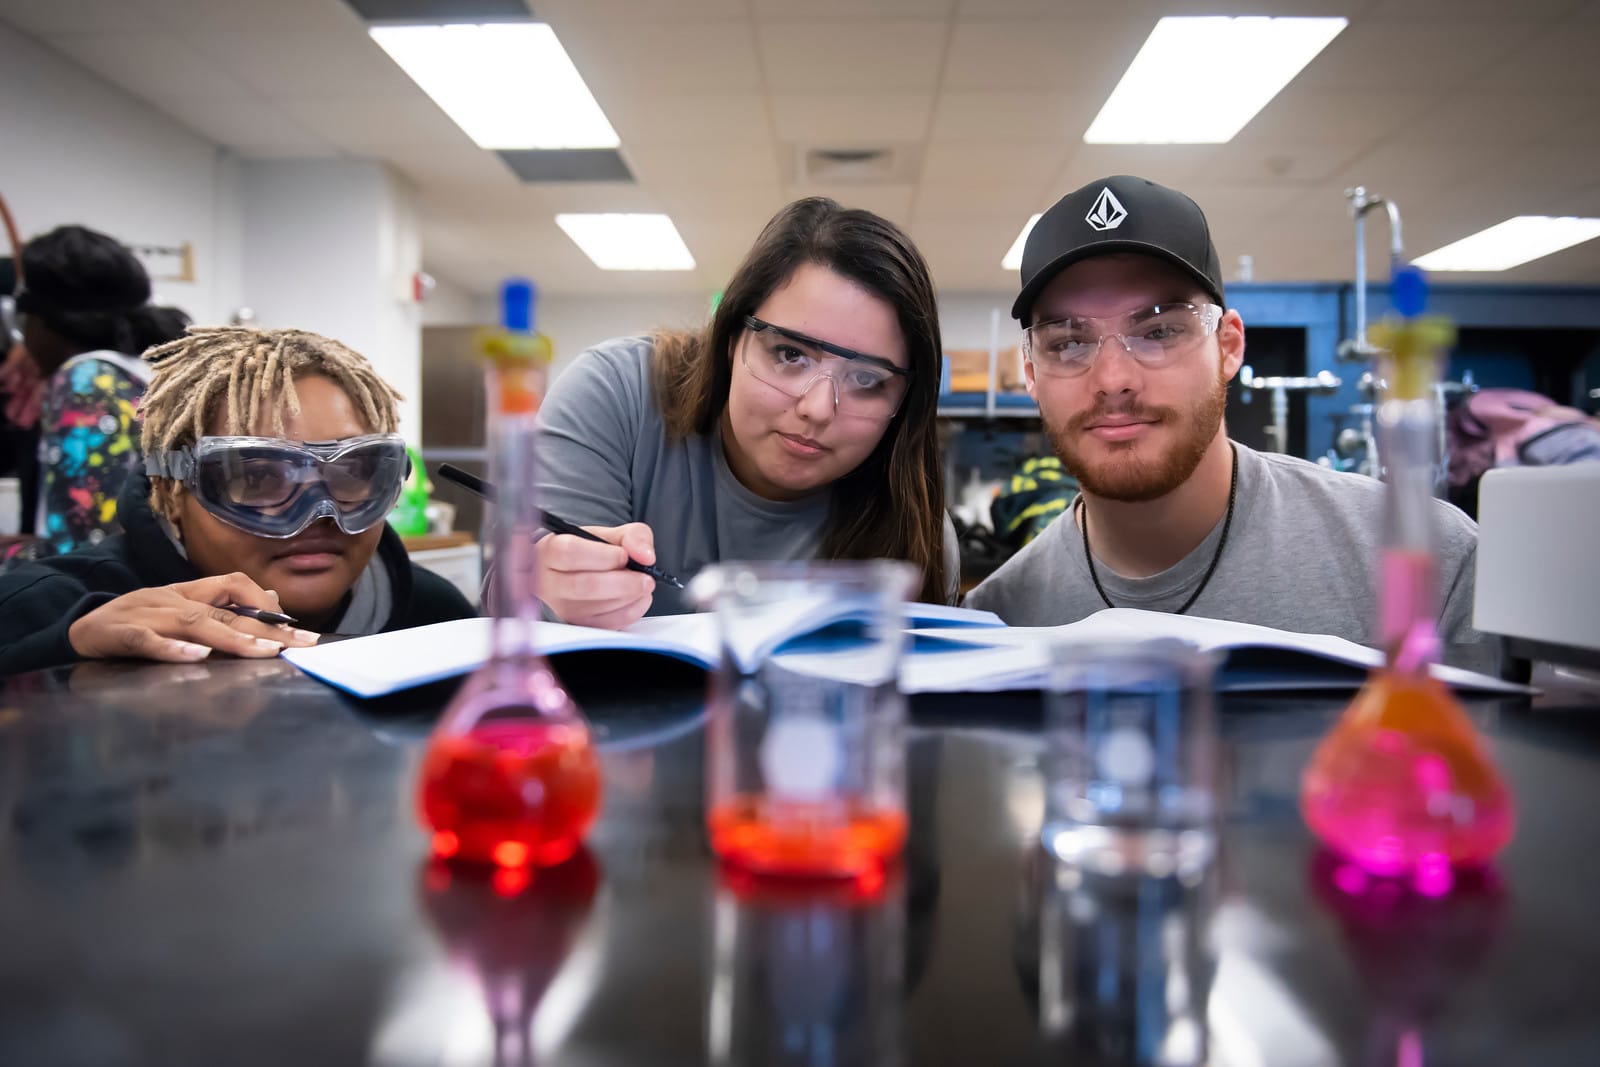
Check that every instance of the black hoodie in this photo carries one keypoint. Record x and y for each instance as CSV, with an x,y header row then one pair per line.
x,y
40,600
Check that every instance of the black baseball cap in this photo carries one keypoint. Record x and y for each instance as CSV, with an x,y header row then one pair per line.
x,y
1118,214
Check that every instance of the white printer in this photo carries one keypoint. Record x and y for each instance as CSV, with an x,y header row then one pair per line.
x,y
1538,583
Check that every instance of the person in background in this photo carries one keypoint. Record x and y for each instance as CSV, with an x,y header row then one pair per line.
x,y
799,424
274,461
1129,350
85,318
20,391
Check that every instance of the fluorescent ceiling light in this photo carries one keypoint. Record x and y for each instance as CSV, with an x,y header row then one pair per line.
x,y
1013,258
1512,243
628,242
508,85
1199,80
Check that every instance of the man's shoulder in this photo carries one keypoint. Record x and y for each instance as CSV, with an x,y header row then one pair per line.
x,y
1353,499
1293,474
1043,557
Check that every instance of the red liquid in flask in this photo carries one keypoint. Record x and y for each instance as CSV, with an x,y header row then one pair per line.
x,y
1405,787
836,838
512,793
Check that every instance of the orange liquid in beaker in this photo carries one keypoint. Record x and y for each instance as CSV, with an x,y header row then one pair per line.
x,y
833,839
511,793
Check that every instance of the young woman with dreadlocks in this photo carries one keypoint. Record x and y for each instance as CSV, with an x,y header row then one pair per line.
x,y
272,463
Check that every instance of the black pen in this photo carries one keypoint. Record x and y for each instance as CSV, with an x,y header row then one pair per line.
x,y
275,618
555,523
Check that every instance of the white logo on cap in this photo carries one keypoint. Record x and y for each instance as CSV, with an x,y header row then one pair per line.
x,y
1107,213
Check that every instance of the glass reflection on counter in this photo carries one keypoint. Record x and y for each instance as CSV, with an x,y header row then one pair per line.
x,y
807,973
1126,963
512,930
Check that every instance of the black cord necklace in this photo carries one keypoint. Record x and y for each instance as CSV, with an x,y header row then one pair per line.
x,y
1222,542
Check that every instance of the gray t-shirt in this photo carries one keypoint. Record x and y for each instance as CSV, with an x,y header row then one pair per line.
x,y
1301,555
605,461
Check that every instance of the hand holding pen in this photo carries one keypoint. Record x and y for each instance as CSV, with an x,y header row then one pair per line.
x,y
187,621
601,576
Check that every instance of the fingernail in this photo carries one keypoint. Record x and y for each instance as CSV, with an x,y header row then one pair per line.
x,y
306,636
273,593
195,651
276,646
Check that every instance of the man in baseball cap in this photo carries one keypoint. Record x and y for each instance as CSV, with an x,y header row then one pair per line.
x,y
1129,350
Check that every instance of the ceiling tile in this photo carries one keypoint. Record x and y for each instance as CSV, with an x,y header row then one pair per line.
x,y
731,164
1083,55
1303,115
689,118
971,115
979,164
644,57
686,199
838,118
868,54
1561,59
561,12
1390,55
937,201
856,9
1521,11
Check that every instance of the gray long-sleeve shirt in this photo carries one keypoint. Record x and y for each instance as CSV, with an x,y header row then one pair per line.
x,y
605,461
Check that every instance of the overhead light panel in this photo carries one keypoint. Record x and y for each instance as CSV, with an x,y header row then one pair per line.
x,y
628,242
1199,80
508,85
1013,258
1512,243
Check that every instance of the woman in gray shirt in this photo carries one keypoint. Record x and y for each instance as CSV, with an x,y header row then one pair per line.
x,y
799,424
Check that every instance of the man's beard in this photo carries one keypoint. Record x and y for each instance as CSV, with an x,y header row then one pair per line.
x,y
1128,476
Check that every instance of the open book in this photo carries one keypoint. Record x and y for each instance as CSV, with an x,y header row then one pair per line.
x,y
386,663
1251,658
951,650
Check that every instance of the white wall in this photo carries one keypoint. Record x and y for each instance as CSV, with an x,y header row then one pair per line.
x,y
74,148
330,246
453,305
574,323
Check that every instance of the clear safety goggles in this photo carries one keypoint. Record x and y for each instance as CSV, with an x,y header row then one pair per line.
x,y
275,488
1154,337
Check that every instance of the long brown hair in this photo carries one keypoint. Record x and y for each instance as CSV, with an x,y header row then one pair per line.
x,y
892,505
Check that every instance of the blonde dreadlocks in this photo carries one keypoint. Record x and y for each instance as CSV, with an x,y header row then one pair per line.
x,y
245,373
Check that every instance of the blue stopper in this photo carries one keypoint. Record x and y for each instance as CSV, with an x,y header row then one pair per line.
x,y
517,297
1409,288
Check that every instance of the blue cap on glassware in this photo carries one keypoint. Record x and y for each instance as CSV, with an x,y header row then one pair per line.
x,y
517,297
1409,289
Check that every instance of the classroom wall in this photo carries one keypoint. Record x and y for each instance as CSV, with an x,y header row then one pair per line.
x,y
73,148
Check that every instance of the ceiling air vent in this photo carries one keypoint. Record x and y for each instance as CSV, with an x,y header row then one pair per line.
x,y
872,164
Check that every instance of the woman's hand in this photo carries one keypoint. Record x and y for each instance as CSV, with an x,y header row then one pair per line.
x,y
587,584
184,622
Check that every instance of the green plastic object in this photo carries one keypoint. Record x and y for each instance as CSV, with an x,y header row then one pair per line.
x,y
410,515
